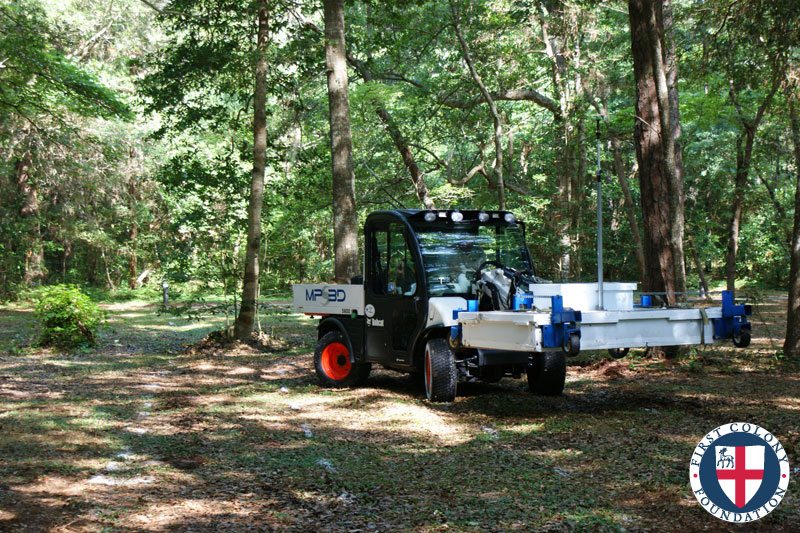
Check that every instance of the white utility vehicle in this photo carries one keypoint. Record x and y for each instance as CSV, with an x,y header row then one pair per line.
x,y
453,295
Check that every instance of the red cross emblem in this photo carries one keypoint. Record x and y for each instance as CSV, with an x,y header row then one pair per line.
x,y
734,468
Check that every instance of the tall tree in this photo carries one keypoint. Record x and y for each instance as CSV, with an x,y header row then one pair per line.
x,y
345,217
44,91
744,156
675,169
655,147
398,139
497,121
247,310
750,45
791,347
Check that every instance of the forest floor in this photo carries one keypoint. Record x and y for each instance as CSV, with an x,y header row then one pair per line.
x,y
142,434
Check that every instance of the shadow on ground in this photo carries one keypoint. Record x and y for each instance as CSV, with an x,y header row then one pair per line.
x,y
143,436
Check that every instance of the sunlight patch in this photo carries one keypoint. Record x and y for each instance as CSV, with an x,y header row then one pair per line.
x,y
117,482
241,370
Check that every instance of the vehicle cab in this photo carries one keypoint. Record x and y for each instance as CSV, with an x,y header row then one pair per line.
x,y
419,267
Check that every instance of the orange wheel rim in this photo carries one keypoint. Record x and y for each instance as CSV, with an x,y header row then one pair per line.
x,y
336,361
428,381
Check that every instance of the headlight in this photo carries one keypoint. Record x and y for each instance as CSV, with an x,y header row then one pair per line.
x,y
430,216
510,218
483,216
456,216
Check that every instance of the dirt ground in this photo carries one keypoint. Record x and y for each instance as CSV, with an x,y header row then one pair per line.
x,y
142,435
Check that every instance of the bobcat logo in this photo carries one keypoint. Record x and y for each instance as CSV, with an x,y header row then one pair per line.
x,y
724,461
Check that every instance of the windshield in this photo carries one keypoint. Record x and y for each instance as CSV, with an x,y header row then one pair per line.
x,y
451,254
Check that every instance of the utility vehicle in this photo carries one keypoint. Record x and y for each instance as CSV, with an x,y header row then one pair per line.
x,y
453,295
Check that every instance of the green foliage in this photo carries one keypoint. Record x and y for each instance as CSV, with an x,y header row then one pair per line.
x,y
37,77
166,192
68,317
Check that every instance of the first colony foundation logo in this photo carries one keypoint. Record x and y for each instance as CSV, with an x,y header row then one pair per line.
x,y
739,472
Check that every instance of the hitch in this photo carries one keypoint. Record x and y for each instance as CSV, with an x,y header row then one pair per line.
x,y
564,330
733,324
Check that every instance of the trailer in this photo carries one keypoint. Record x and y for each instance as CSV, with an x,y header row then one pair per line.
x,y
453,295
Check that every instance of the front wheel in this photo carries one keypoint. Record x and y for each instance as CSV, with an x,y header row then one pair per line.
x,y
441,377
547,373
332,363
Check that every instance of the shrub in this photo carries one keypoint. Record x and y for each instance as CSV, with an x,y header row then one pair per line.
x,y
69,318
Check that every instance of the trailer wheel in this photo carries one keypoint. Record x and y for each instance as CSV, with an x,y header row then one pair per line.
x,y
618,353
440,371
332,363
547,373
573,345
742,340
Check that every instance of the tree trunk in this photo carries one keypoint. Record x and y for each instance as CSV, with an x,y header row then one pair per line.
x,y
109,281
563,219
67,245
133,263
791,347
133,267
399,141
579,186
653,180
667,143
744,150
496,119
345,218
678,196
700,271
34,270
630,208
243,327
622,176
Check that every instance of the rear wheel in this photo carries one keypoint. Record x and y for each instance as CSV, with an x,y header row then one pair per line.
x,y
332,363
742,340
547,373
618,353
440,373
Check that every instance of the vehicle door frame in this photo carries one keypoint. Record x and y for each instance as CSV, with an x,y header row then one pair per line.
x,y
378,345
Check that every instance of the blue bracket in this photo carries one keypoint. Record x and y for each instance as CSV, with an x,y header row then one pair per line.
x,y
455,336
563,323
734,318
472,306
522,302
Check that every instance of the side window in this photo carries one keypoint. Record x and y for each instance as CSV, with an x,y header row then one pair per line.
x,y
402,279
511,249
393,271
487,237
380,262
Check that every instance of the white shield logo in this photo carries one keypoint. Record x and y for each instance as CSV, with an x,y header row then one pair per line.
x,y
740,471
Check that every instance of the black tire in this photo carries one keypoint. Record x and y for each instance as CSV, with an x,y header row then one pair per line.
x,y
618,353
573,345
743,340
547,373
439,369
332,363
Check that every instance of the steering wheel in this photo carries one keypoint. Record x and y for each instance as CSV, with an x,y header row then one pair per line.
x,y
483,265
